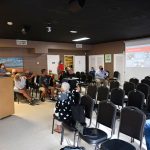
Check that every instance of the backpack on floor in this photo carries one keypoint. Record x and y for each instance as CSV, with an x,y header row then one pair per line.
x,y
72,148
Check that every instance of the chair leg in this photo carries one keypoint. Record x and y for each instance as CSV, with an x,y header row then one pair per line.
x,y
53,125
78,141
74,139
62,135
96,147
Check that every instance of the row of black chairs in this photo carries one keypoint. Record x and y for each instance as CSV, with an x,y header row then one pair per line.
x,y
131,123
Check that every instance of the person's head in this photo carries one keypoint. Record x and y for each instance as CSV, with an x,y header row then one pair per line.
x,y
60,62
17,77
2,66
65,87
44,72
92,68
101,67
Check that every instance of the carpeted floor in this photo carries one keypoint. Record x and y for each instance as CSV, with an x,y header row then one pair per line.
x,y
30,129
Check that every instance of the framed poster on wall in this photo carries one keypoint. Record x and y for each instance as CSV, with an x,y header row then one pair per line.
x,y
69,61
107,58
12,62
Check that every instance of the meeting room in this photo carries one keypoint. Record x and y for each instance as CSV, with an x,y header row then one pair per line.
x,y
75,75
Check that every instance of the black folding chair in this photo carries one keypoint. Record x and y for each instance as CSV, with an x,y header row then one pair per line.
x,y
128,86
144,88
132,124
146,81
78,115
88,104
102,94
92,91
136,99
114,84
106,116
134,81
117,97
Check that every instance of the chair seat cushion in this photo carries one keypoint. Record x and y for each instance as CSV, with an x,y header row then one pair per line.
x,y
93,135
116,144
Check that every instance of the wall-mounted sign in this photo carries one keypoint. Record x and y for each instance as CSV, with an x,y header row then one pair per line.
x,y
78,45
21,42
107,58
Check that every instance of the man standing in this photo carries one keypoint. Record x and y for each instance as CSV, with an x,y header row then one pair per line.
x,y
100,76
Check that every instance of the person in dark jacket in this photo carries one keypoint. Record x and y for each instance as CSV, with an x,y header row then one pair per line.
x,y
66,99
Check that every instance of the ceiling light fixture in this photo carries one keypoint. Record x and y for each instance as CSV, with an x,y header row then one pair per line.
x,y
73,31
9,23
81,39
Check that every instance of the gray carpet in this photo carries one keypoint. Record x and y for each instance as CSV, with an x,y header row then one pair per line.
x,y
30,129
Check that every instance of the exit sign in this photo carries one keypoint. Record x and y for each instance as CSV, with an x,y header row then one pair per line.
x,y
21,42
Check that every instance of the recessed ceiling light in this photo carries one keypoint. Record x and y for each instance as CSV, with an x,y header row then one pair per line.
x,y
73,31
81,39
9,23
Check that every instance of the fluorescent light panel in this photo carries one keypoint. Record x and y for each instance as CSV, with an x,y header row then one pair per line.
x,y
81,39
73,31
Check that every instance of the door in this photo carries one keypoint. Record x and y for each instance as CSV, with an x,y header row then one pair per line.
x,y
52,63
79,64
96,61
119,66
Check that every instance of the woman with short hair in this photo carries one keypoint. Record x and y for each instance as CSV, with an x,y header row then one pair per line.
x,y
66,99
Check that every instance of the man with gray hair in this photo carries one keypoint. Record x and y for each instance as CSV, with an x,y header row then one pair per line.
x,y
100,76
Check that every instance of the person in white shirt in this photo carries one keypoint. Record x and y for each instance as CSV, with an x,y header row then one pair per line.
x,y
20,86
100,76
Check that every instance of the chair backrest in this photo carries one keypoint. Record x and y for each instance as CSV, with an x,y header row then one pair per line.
x,y
143,88
106,114
103,93
116,74
91,91
146,81
134,80
117,96
88,105
78,74
132,122
147,77
128,86
114,84
78,113
136,99
89,78
148,104
83,77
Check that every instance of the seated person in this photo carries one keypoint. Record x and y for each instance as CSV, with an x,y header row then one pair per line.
x,y
66,99
45,88
29,79
100,76
92,72
147,133
2,70
20,86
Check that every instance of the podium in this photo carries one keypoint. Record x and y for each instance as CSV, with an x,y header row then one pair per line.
x,y
6,97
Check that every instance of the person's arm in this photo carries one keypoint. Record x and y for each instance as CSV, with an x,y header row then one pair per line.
x,y
97,74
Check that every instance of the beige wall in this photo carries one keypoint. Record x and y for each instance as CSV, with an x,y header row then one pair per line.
x,y
107,48
37,52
